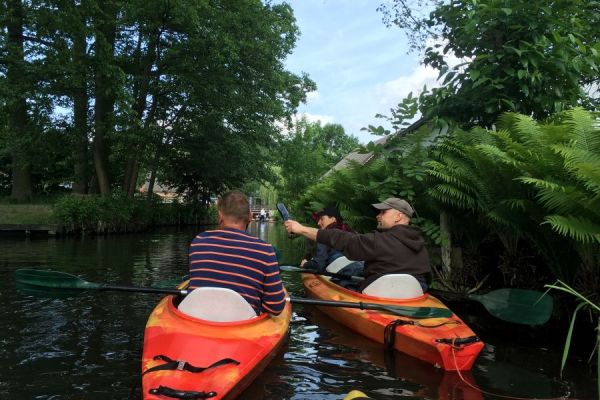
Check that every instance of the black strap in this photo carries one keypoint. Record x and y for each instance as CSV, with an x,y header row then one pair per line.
x,y
181,365
459,341
389,335
181,394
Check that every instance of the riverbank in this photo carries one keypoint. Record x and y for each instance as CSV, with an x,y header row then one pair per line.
x,y
19,214
99,215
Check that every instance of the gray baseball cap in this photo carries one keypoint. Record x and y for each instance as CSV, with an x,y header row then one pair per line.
x,y
396,204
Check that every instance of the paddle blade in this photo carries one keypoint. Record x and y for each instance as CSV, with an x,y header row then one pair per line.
x,y
519,306
47,292
33,278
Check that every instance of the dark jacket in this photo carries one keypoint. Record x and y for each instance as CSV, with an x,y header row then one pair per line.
x,y
325,256
399,250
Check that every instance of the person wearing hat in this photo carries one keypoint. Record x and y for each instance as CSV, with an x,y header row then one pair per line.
x,y
327,218
395,248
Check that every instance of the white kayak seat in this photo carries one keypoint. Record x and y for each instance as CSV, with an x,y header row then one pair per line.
x,y
337,264
216,304
395,286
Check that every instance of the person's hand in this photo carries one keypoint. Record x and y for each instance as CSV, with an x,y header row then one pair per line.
x,y
292,226
303,262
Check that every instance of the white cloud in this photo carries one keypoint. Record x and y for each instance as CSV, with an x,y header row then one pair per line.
x,y
324,119
390,93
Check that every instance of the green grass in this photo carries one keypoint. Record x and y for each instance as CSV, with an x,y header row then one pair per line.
x,y
26,214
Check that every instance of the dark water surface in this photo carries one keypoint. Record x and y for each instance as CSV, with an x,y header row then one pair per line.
x,y
89,347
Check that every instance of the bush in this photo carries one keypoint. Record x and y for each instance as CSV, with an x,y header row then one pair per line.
x,y
118,213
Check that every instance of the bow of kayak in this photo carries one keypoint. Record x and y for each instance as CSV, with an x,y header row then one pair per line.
x,y
215,360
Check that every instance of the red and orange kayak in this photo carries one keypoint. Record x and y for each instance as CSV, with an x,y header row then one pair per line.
x,y
184,355
447,343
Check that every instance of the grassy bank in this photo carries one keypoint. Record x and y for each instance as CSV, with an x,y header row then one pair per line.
x,y
26,214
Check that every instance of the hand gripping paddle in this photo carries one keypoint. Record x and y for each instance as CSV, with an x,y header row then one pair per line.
x,y
285,215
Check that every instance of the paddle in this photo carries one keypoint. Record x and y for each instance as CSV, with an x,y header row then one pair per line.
x,y
37,281
519,306
290,268
405,311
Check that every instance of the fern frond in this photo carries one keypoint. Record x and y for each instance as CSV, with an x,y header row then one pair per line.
x,y
585,134
583,165
448,194
579,229
498,155
516,204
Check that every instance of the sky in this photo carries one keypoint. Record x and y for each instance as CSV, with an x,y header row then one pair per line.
x,y
360,66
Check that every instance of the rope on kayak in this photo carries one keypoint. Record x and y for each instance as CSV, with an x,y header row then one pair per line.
x,y
457,342
454,348
181,365
181,394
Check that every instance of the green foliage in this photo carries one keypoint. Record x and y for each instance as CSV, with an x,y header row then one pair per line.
x,y
307,153
529,181
583,302
119,213
531,57
396,173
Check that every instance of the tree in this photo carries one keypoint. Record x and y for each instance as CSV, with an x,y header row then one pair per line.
x,y
531,57
308,152
143,81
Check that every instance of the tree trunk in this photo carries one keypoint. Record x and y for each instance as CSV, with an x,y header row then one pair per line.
x,y
141,91
80,108
446,248
22,190
105,30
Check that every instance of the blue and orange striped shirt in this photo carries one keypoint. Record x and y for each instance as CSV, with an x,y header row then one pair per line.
x,y
232,259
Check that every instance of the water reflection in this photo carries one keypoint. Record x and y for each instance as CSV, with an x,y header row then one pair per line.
x,y
89,346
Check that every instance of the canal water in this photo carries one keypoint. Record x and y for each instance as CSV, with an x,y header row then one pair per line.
x,y
89,347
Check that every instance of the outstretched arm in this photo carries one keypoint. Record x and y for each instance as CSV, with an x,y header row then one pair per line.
x,y
295,227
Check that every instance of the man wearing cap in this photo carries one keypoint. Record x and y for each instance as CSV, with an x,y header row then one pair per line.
x,y
396,247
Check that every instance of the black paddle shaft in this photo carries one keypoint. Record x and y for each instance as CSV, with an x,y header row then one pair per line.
x,y
142,290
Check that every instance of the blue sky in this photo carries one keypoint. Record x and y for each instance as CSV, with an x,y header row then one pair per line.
x,y
361,67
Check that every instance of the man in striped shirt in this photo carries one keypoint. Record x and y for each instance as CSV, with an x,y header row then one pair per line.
x,y
232,259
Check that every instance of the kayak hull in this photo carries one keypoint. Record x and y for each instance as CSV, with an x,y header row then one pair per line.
x,y
446,343
169,333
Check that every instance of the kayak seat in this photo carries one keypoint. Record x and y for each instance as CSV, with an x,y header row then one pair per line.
x,y
216,304
337,264
395,286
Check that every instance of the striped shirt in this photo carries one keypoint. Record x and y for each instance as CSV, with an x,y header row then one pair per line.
x,y
232,259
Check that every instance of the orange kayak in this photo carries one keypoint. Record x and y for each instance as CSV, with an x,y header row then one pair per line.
x,y
187,356
446,343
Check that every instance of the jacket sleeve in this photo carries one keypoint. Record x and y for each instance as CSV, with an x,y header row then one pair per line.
x,y
353,245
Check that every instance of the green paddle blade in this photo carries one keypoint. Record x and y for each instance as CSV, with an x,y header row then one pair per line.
x,y
519,306
33,278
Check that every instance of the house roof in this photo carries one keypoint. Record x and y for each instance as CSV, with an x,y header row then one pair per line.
x,y
364,158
